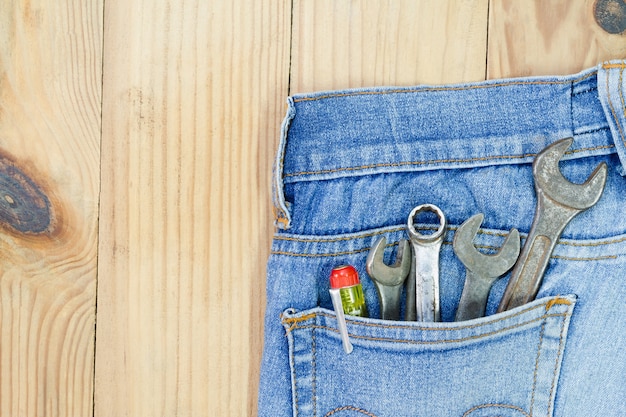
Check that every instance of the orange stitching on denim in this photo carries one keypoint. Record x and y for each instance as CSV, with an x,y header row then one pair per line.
x,y
409,163
607,241
433,162
611,66
600,243
512,407
349,408
406,326
356,251
293,321
441,88
318,255
541,334
338,239
436,342
458,327
557,301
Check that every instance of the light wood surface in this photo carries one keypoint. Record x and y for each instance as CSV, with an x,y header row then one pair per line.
x,y
50,93
194,94
149,128
541,37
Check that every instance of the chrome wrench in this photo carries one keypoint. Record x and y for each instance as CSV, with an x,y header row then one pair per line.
x,y
389,279
482,271
558,201
423,285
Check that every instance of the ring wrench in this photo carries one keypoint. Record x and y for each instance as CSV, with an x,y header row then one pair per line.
x,y
389,279
482,270
558,201
423,285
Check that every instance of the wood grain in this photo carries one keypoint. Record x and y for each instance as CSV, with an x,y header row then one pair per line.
x,y
353,43
192,106
542,37
136,141
50,91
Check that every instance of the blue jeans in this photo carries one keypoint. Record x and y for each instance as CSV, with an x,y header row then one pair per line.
x,y
351,166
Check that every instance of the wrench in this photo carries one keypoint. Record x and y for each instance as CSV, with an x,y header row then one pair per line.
x,y
558,201
481,270
423,283
389,279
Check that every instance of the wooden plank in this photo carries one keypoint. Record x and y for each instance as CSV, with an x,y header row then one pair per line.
x,y
544,37
353,43
193,98
50,90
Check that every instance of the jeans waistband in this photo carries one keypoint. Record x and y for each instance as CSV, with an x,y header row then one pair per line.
x,y
328,135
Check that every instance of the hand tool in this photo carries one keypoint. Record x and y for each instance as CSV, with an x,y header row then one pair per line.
x,y
389,280
346,294
481,270
335,297
558,201
345,278
423,283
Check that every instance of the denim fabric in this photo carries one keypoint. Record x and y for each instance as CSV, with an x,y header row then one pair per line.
x,y
351,166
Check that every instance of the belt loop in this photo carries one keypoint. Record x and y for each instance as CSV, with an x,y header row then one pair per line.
x,y
282,217
611,81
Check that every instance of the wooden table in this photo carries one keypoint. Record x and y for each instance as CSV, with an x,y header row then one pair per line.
x,y
139,137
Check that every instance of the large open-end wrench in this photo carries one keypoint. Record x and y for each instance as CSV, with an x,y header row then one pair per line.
x,y
558,201
422,300
482,270
389,280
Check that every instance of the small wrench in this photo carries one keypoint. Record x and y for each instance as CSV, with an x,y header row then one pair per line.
x,y
558,201
389,279
423,283
481,270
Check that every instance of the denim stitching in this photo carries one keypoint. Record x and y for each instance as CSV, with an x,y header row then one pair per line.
x,y
608,96
434,162
532,398
357,251
435,342
571,106
292,360
588,90
349,408
441,88
340,238
314,372
547,305
512,407
484,232
587,132
621,95
582,259
556,365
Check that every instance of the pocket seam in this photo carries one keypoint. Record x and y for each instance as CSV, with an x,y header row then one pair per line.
x,y
349,408
535,373
509,406
547,305
431,342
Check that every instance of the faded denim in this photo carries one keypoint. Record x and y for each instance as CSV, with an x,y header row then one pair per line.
x,y
350,167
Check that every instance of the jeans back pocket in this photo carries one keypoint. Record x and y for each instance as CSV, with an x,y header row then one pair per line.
x,y
506,364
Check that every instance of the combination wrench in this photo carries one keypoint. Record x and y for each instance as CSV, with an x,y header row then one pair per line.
x,y
558,201
422,300
481,270
389,280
